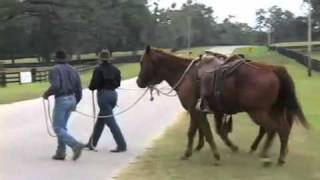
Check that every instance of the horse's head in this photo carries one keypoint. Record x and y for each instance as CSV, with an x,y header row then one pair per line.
x,y
149,69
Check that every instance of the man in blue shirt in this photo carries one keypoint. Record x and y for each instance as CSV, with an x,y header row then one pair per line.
x,y
66,88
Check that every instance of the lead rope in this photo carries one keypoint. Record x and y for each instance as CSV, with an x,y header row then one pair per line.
x,y
47,118
119,113
47,112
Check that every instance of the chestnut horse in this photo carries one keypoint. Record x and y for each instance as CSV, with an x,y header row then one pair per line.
x,y
267,95
158,66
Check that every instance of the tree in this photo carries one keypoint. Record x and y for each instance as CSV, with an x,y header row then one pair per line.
x,y
315,4
282,24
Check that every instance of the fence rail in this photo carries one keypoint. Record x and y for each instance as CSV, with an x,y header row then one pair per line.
x,y
299,57
37,75
42,75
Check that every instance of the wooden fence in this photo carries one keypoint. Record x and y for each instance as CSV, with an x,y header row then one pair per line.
x,y
299,57
37,75
42,75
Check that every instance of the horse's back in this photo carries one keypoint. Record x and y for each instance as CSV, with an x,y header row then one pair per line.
x,y
258,85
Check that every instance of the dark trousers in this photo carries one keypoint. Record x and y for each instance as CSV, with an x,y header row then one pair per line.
x,y
107,100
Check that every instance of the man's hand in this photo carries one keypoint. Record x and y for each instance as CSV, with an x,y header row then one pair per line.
x,y
45,95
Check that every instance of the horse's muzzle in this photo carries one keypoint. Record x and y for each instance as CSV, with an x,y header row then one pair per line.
x,y
140,84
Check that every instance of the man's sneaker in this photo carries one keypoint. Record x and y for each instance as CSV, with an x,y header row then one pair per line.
x,y
59,156
77,150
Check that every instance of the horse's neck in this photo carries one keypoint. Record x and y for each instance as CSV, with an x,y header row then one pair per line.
x,y
172,68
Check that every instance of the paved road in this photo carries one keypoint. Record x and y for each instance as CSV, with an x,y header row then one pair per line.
x,y
25,147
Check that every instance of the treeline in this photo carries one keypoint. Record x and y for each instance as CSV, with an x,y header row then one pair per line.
x,y
36,28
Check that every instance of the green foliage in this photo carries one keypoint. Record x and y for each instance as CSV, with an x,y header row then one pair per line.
x,y
78,26
171,28
282,24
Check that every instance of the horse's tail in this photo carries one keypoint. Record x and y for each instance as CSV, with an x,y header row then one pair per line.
x,y
288,100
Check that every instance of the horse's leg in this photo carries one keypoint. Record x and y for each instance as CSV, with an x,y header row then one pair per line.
x,y
264,120
264,153
284,133
191,133
256,142
201,140
218,117
205,128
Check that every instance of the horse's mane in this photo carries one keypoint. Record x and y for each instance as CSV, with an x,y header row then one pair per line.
x,y
172,56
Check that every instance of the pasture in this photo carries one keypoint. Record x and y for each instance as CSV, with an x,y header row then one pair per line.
x,y
162,160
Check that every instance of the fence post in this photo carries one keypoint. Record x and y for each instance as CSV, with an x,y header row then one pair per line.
x,y
19,77
34,74
3,79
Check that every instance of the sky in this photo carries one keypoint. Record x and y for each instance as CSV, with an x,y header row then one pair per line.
x,y
243,10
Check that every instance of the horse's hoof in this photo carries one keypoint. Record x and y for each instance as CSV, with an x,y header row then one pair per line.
x,y
184,158
216,163
281,162
217,157
266,162
235,149
252,150
198,148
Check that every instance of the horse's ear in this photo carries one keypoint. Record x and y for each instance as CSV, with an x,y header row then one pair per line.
x,y
148,49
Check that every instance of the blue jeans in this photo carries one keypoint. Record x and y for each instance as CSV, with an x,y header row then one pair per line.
x,y
63,107
107,100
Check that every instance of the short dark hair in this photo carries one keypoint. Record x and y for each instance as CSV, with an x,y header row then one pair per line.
x,y
61,55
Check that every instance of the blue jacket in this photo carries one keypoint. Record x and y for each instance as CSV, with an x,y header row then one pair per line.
x,y
64,80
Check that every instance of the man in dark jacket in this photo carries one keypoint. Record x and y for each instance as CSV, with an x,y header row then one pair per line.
x,y
106,78
66,88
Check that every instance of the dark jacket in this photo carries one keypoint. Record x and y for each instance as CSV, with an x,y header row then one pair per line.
x,y
64,80
105,76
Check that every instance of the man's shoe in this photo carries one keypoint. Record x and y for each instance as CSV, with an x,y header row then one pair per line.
x,y
59,156
90,147
77,150
118,150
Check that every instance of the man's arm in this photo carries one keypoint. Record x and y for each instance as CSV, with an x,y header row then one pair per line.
x,y
118,78
54,83
78,90
95,80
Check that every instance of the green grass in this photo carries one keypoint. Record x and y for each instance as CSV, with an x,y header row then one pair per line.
x,y
316,55
195,51
161,161
16,92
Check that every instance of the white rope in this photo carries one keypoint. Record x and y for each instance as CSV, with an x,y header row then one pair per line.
x,y
48,118
121,112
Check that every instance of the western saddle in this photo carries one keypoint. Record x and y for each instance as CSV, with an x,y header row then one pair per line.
x,y
213,69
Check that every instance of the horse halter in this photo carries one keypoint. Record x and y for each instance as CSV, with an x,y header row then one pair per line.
x,y
169,93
